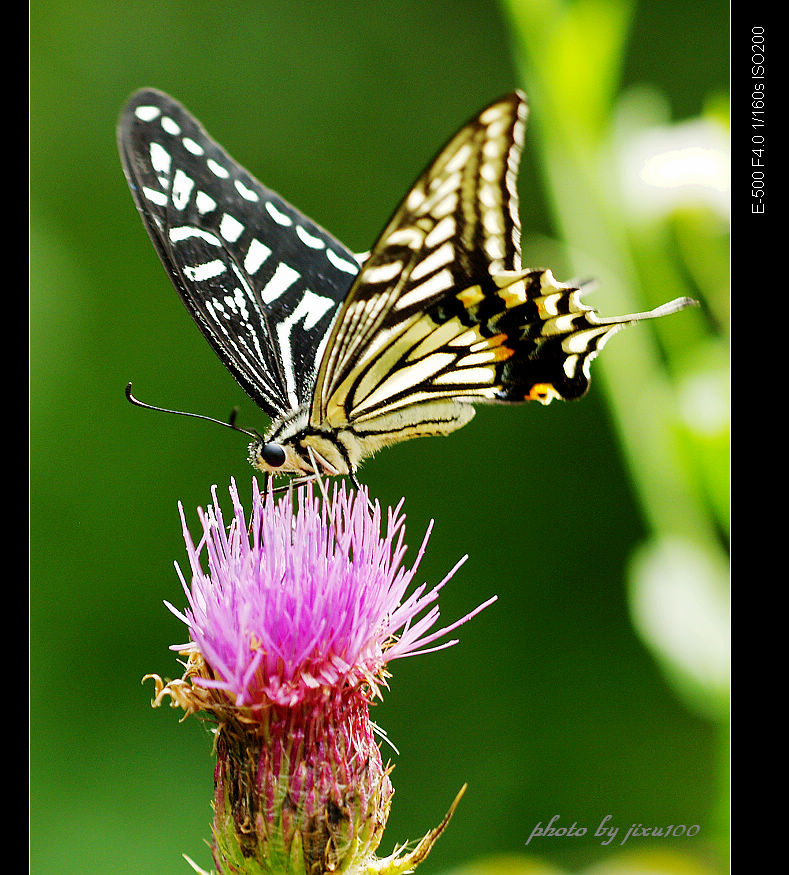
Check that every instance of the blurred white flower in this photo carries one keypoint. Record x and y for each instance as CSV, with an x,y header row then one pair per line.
x,y
670,166
679,602
704,402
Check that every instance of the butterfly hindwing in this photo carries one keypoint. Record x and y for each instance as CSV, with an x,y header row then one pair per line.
x,y
262,281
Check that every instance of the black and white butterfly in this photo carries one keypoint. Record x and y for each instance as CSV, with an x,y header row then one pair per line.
x,y
350,354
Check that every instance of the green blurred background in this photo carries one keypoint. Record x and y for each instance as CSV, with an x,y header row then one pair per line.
x,y
597,684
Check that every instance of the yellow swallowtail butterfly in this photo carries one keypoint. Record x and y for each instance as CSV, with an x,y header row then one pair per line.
x,y
349,354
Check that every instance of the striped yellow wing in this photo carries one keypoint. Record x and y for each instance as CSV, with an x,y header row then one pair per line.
x,y
441,314
394,342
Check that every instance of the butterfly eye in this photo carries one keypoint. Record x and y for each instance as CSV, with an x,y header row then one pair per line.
x,y
273,455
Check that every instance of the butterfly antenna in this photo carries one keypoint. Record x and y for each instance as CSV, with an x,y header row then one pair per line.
x,y
230,424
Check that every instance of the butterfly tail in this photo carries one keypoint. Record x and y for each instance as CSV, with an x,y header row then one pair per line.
x,y
558,335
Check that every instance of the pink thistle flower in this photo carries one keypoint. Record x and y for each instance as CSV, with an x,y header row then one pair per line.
x,y
309,601
292,622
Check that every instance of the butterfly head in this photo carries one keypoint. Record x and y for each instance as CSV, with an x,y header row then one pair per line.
x,y
303,455
272,457
269,457
290,446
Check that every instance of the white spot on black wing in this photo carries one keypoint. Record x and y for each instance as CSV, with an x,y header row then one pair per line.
x,y
201,272
283,278
230,228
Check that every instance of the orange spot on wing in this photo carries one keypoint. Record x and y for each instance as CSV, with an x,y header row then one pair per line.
x,y
542,392
502,353
471,296
513,295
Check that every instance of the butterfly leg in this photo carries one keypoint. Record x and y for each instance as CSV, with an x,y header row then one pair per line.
x,y
359,488
295,481
317,475
266,481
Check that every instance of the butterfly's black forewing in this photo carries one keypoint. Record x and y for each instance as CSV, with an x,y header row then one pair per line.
x,y
262,281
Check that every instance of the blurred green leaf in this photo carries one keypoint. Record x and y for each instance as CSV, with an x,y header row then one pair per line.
x,y
640,862
507,865
572,62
